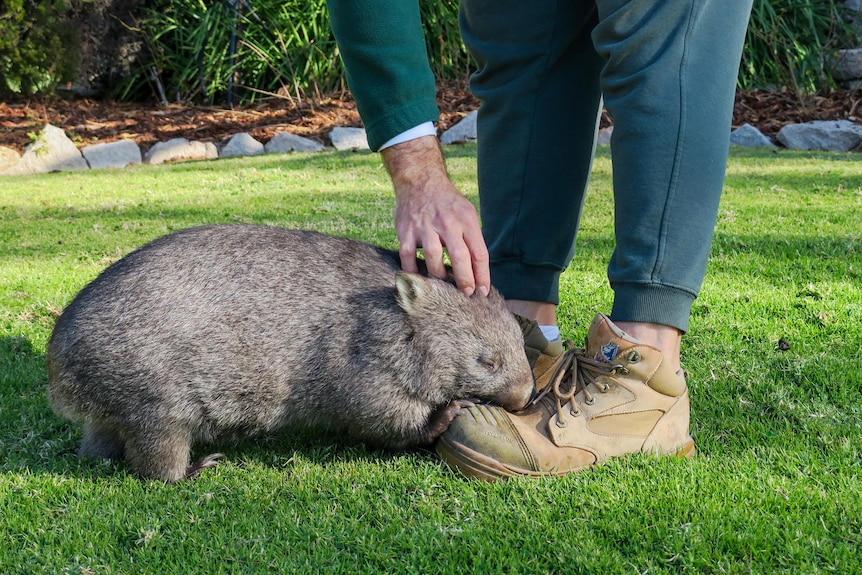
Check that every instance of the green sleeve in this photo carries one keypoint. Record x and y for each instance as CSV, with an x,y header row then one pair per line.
x,y
383,48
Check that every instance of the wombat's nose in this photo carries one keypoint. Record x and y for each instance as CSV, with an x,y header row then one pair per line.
x,y
519,396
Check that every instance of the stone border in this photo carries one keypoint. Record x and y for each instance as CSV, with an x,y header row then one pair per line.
x,y
53,151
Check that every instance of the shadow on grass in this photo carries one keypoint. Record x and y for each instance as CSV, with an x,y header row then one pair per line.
x,y
20,364
266,452
272,451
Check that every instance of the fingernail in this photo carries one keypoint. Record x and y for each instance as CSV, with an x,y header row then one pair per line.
x,y
484,290
468,291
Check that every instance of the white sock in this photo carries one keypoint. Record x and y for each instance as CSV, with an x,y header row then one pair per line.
x,y
551,332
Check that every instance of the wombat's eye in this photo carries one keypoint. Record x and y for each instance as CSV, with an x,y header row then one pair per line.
x,y
491,361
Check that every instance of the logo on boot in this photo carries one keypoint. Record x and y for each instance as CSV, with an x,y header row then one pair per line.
x,y
607,352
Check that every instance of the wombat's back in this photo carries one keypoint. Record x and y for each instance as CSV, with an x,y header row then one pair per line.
x,y
248,302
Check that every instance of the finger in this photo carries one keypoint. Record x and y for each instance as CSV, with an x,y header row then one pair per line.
x,y
432,249
407,254
408,259
480,259
462,267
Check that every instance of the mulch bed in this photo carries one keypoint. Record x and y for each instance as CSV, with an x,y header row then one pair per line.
x,y
90,121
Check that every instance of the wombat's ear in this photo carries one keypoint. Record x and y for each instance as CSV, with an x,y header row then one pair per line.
x,y
410,289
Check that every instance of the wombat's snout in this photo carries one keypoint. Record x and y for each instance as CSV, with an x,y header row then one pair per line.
x,y
519,396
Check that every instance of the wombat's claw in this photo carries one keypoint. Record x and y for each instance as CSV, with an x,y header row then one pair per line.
x,y
463,403
203,463
440,420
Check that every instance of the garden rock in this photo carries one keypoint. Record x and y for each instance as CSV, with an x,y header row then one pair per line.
x,y
10,162
52,151
750,137
847,65
112,154
241,144
833,136
285,142
179,149
462,132
349,139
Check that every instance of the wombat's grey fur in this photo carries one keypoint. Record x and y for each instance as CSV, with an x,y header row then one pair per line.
x,y
229,331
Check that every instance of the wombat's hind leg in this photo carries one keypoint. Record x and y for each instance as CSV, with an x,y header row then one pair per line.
x,y
205,462
101,441
159,455
440,420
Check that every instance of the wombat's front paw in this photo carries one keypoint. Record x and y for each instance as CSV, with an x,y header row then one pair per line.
x,y
203,463
440,420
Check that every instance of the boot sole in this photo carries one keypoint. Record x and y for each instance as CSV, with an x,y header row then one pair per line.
x,y
474,464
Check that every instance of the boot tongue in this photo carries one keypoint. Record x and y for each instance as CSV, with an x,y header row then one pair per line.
x,y
605,340
535,343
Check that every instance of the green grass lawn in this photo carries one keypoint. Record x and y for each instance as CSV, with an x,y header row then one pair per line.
x,y
775,487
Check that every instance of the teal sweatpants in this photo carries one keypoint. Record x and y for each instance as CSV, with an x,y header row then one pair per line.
x,y
666,72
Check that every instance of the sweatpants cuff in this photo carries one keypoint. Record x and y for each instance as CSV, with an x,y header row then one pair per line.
x,y
653,304
517,280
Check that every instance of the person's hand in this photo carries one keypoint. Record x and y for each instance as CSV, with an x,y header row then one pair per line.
x,y
430,213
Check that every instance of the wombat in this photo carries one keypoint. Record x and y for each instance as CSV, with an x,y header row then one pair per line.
x,y
230,331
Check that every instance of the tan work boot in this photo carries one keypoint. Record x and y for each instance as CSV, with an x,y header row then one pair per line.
x,y
613,398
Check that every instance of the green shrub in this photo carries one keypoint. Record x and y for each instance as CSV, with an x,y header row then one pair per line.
x,y
446,51
38,49
281,46
217,50
787,42
203,51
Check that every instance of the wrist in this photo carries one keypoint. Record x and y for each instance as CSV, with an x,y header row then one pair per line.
x,y
414,162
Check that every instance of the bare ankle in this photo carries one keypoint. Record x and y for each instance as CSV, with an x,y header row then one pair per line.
x,y
665,338
543,312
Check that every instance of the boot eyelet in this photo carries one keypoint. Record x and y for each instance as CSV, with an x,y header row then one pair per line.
x,y
561,423
574,412
590,401
634,356
604,387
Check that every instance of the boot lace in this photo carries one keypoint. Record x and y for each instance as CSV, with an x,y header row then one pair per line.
x,y
576,372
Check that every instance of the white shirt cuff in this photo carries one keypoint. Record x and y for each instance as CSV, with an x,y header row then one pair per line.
x,y
426,129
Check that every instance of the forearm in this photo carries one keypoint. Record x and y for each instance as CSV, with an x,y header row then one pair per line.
x,y
383,50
